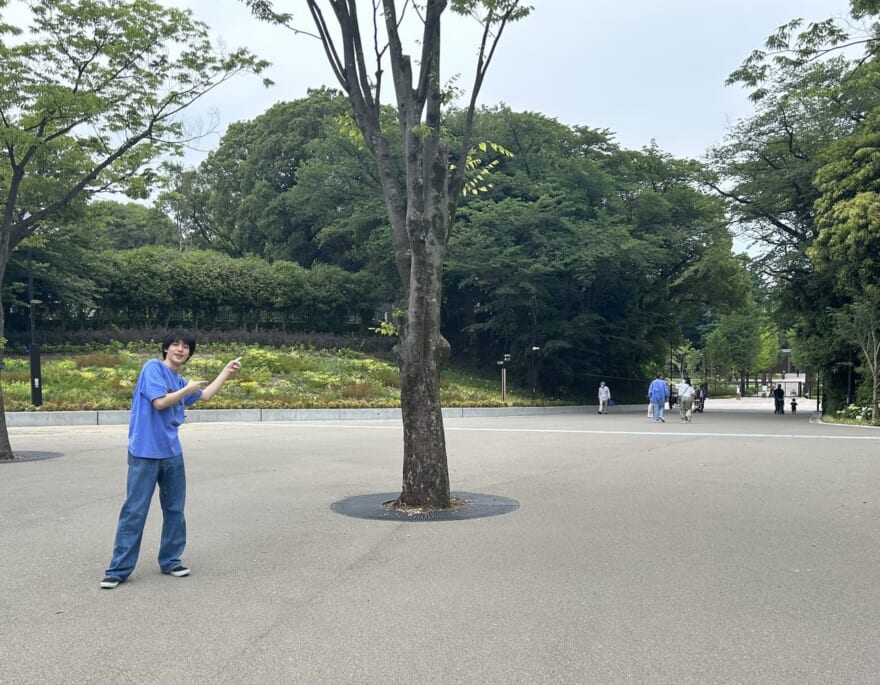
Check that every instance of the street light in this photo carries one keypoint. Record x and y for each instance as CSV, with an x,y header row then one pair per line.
x,y
533,362
505,360
34,349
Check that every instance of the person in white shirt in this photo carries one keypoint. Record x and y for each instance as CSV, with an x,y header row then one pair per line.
x,y
686,400
604,396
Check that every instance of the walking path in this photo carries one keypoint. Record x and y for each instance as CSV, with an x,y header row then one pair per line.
x,y
740,548
120,417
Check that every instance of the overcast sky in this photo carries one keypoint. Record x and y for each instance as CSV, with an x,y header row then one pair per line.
x,y
644,69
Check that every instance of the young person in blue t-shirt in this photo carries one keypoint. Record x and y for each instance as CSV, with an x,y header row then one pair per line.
x,y
155,456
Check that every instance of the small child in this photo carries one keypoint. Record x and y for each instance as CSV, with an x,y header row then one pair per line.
x,y
794,405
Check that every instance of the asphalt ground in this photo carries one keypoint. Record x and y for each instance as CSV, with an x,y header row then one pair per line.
x,y
739,548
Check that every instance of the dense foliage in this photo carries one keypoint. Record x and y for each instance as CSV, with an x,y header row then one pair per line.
x,y
91,95
602,258
802,178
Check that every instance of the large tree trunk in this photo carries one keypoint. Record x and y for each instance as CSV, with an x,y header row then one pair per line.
x,y
875,401
6,453
423,351
425,469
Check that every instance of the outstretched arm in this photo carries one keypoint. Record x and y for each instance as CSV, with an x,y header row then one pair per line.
x,y
166,401
215,385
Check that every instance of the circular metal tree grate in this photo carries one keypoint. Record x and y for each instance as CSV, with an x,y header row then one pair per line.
x,y
474,506
31,456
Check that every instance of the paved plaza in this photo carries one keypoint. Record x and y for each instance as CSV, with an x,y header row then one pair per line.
x,y
741,548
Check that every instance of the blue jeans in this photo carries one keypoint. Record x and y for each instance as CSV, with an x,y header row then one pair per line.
x,y
143,476
658,409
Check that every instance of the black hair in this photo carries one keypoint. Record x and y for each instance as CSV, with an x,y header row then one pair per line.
x,y
183,336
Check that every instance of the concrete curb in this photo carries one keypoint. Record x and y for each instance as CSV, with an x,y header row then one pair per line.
x,y
35,419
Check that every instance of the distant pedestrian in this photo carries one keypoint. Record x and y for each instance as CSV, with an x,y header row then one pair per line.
x,y
702,396
604,397
686,394
658,393
155,456
779,399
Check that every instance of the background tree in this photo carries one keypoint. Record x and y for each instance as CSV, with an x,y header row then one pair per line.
x,y
125,226
737,342
250,200
68,273
858,324
719,360
602,257
809,93
847,246
770,347
88,97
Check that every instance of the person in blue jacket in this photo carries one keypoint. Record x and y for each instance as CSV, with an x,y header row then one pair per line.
x,y
155,456
658,393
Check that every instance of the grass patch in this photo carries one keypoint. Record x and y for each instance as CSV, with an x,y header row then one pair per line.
x,y
97,360
270,378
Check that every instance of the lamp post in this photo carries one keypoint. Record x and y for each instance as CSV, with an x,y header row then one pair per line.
x,y
533,359
505,360
34,349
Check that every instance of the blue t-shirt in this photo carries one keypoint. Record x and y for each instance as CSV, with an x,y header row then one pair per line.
x,y
152,433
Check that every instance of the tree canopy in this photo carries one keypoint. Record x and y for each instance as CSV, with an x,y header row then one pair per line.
x,y
91,93
800,177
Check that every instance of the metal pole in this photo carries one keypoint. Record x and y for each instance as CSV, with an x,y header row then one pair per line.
x,y
531,372
534,359
36,384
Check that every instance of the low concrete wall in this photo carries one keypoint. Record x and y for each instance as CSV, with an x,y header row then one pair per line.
x,y
222,415
32,419
328,414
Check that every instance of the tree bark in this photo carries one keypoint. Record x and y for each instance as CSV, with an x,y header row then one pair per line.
x,y
425,467
6,453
